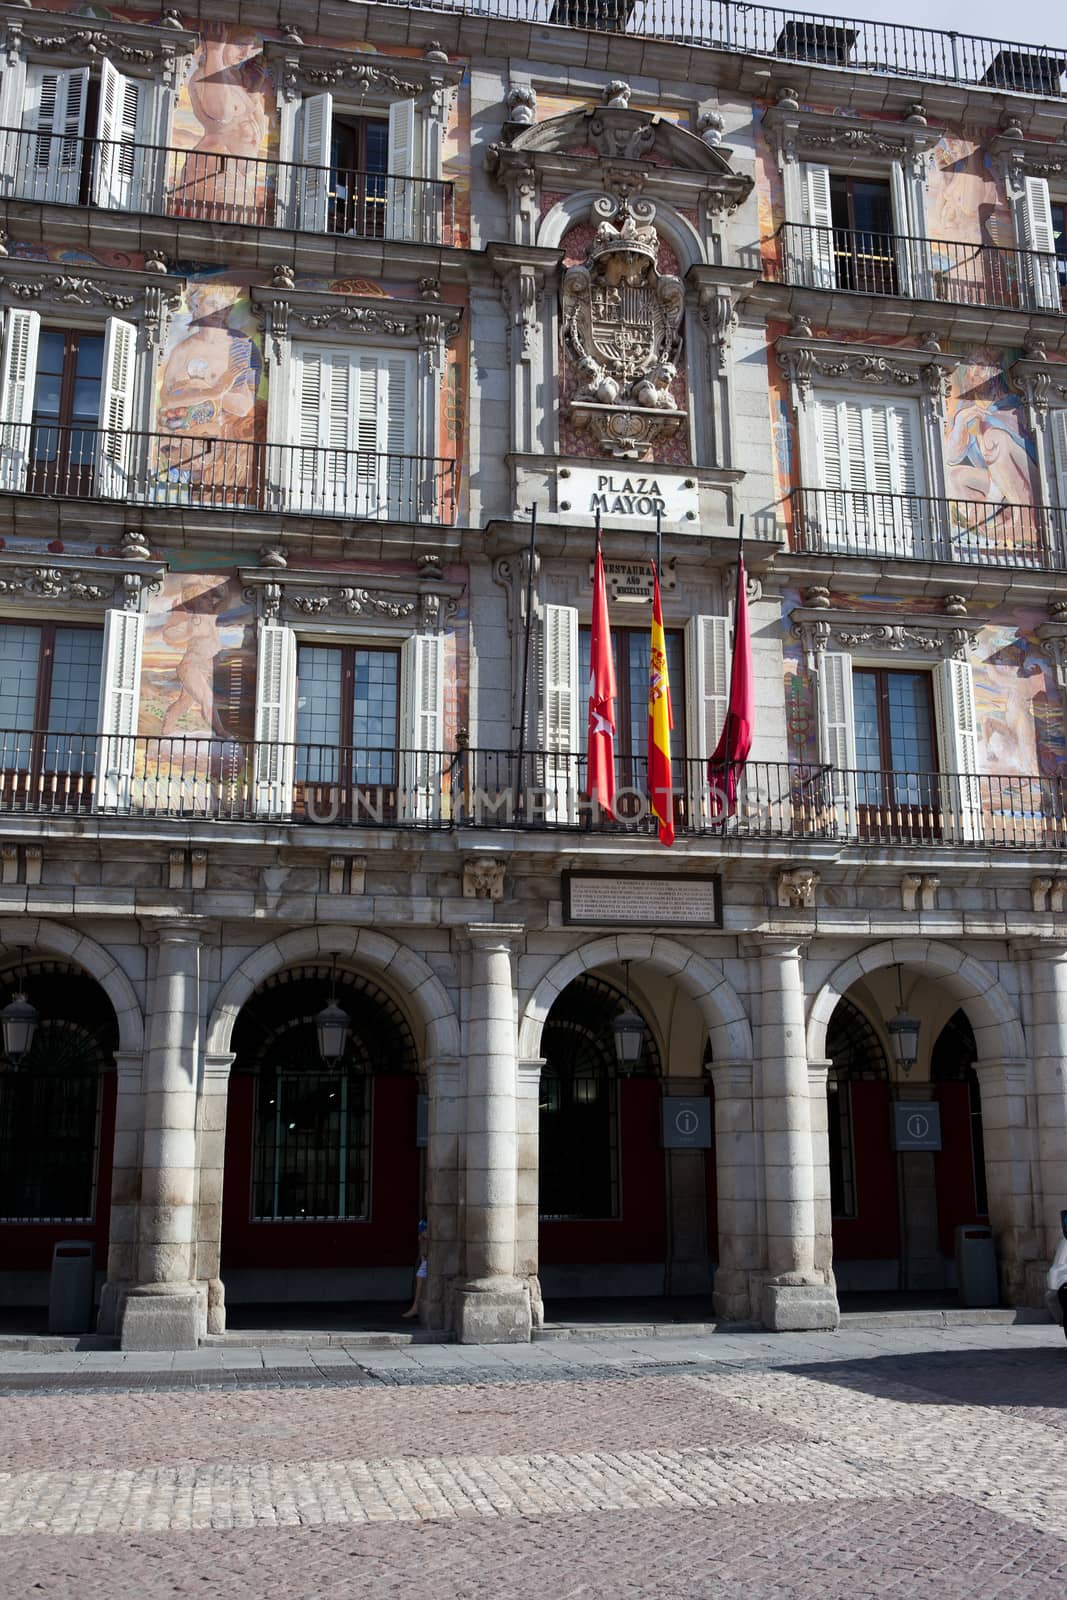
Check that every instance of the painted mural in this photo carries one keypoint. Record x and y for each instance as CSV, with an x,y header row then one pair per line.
x,y
198,676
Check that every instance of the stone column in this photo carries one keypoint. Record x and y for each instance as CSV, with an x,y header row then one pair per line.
x,y
165,1310
1048,1052
796,1296
211,1152
125,1188
528,1183
446,1114
1007,1139
493,1305
818,1072
740,1247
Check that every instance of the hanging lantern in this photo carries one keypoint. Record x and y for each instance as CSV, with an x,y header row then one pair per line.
x,y
903,1032
19,1022
333,1027
629,1031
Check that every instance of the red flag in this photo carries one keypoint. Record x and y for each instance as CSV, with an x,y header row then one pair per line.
x,y
602,695
660,722
730,754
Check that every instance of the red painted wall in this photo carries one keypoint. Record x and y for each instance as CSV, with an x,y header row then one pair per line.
x,y
954,1165
27,1246
873,1234
387,1239
640,1233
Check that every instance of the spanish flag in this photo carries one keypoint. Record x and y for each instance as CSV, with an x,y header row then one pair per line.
x,y
660,723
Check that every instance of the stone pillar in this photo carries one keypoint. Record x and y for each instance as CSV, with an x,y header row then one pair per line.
x,y
795,1296
528,1183
740,1246
125,1188
818,1072
1007,1138
493,1305
211,1152
1048,1051
446,1114
165,1310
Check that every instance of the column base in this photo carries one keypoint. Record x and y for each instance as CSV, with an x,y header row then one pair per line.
x,y
162,1316
798,1307
493,1311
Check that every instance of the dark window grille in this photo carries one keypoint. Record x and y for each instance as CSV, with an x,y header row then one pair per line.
x,y
952,1061
855,1051
50,1127
579,1104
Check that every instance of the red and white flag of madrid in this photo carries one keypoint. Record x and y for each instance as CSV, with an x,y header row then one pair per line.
x,y
602,694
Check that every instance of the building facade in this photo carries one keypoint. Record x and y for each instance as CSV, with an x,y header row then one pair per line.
x,y
298,329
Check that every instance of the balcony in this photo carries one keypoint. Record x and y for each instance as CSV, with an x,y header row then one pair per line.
x,y
187,470
912,527
207,187
861,45
950,271
145,779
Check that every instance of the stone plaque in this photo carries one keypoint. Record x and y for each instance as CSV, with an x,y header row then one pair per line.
x,y
651,900
632,580
916,1125
635,495
686,1122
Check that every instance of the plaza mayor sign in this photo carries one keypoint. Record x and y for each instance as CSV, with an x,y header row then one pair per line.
x,y
634,495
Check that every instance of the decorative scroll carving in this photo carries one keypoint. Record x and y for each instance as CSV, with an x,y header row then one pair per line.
x,y
53,583
619,141
1042,383
622,326
158,296
804,361
939,636
298,596
162,51
299,68
396,319
72,291
798,135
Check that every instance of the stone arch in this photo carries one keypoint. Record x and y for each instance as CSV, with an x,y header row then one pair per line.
x,y
53,938
575,208
727,1021
415,987
998,1031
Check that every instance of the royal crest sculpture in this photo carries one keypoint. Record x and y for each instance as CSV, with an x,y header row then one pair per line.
x,y
622,323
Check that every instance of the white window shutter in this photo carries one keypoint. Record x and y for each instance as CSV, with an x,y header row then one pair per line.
x,y
422,720
54,111
120,699
1037,235
18,376
117,166
957,735
837,737
559,724
12,97
907,266
818,246
402,207
313,181
707,678
113,445
275,720
1057,424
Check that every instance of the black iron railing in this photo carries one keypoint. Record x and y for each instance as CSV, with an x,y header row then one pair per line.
x,y
190,469
915,527
260,191
804,36
235,780
951,271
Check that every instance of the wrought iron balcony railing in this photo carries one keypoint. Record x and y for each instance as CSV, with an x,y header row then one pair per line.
x,y
806,36
188,469
951,271
243,781
915,527
207,186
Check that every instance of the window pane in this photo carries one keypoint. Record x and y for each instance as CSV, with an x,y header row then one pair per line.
x,y
73,704
90,359
911,736
377,137
868,736
20,650
318,713
311,1157
375,715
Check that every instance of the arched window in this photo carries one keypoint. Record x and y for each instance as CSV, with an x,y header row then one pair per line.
x,y
855,1052
952,1061
312,1120
579,1121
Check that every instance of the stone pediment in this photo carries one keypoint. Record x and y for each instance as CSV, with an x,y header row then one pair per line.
x,y
616,133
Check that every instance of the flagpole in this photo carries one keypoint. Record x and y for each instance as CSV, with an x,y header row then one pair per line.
x,y
659,544
520,795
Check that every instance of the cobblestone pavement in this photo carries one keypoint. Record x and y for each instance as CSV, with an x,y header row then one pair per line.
x,y
819,1466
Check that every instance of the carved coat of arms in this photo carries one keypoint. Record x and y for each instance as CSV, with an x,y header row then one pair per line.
x,y
622,326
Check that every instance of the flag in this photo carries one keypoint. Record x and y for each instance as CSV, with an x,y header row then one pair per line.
x,y
728,759
660,723
602,694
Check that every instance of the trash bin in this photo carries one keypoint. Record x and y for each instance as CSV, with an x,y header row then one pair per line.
x,y
976,1266
70,1289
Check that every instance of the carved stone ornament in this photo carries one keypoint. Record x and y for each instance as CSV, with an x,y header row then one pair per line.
x,y
521,102
1042,383
308,69
151,298
483,878
845,138
805,361
622,323
1021,158
124,581
881,633
280,592
159,51
796,888
427,322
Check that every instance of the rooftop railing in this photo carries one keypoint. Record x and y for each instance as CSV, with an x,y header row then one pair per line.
x,y
244,781
914,527
802,36
951,271
189,469
258,191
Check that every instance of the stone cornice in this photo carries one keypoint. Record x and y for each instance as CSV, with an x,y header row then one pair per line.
x,y
378,79
1042,383
34,35
805,360
887,632
149,297
282,595
844,138
287,310
83,582
1027,158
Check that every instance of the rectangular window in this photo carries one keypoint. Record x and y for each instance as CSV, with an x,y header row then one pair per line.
x,y
359,165
1059,234
355,426
66,411
347,721
49,1138
842,1167
864,254
632,647
895,749
311,1154
871,495
579,1146
49,697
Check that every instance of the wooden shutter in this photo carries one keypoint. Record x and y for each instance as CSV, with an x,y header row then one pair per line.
x,y
313,181
559,735
1034,225
117,165
402,207
422,721
113,446
386,474
707,678
1057,424
957,735
18,374
818,247
870,451
837,738
54,110
120,697
275,720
